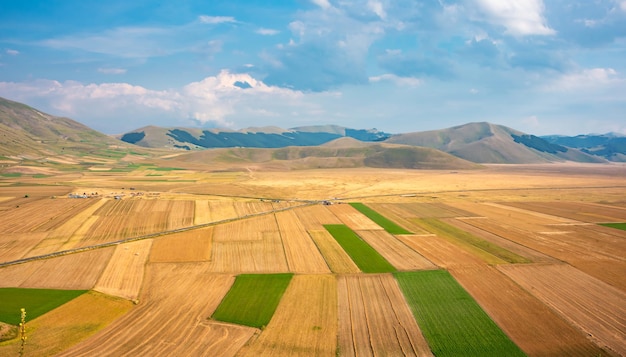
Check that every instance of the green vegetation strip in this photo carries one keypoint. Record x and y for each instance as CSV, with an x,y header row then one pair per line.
x,y
621,226
450,232
252,299
451,320
36,302
381,220
362,254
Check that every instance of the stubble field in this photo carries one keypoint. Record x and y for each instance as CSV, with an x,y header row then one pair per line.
x,y
523,241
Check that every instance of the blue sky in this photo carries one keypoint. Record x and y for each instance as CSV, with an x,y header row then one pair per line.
x,y
542,67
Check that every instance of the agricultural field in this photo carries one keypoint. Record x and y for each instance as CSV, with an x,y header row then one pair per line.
x,y
171,257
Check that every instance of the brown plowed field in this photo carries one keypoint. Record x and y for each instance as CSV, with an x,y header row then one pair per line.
x,y
595,307
337,259
353,218
439,251
190,246
579,211
171,321
124,274
534,327
301,252
305,322
395,251
374,318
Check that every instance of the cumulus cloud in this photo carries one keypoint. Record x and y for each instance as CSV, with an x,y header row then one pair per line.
x,y
207,102
399,81
586,79
520,18
12,52
267,32
324,4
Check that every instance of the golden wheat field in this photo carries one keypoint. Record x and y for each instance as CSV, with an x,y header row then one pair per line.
x,y
160,254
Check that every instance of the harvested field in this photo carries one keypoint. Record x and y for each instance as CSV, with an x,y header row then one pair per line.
x,y
124,274
250,245
387,224
374,318
190,246
14,246
316,216
337,259
395,251
421,210
41,215
353,218
74,271
397,213
305,322
440,251
171,318
579,211
301,253
533,326
593,306
68,325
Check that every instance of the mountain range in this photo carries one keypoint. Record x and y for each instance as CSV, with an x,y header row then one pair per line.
x,y
27,132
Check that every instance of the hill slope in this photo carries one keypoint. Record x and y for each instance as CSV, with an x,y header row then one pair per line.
x,y
610,146
491,143
267,137
27,131
341,153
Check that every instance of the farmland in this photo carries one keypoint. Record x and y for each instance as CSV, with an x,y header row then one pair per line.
x,y
530,253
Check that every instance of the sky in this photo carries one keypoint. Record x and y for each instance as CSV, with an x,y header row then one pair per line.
x,y
541,67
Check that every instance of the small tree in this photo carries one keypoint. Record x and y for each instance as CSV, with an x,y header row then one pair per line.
x,y
22,331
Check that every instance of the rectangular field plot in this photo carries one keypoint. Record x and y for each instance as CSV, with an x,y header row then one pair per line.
x,y
492,253
595,307
41,215
252,299
381,220
375,320
530,323
337,259
316,216
398,254
353,218
579,211
452,322
190,246
124,274
251,245
305,322
363,255
301,253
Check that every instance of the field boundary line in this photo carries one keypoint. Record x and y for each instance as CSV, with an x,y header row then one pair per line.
x,y
147,236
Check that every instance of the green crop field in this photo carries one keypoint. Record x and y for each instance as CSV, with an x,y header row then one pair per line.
x,y
362,254
621,226
381,220
451,320
36,302
448,231
252,299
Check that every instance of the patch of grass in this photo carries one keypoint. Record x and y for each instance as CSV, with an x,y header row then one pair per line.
x,y
167,169
362,254
621,226
252,299
41,176
36,302
451,320
381,220
11,174
450,232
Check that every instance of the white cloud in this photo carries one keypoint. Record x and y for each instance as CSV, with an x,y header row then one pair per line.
x,y
399,81
209,101
377,8
519,17
205,19
586,79
112,70
267,32
12,52
324,4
